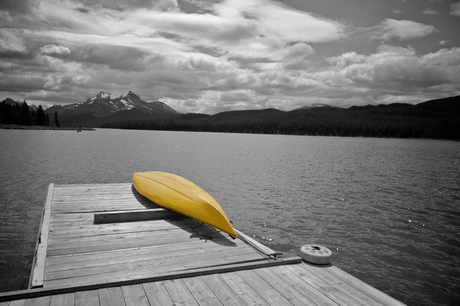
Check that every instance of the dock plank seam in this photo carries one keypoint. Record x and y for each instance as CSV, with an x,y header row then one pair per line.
x,y
30,293
38,267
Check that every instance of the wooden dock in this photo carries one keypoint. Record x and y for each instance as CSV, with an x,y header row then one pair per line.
x,y
105,244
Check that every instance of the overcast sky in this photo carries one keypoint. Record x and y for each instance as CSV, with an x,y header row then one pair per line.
x,y
212,56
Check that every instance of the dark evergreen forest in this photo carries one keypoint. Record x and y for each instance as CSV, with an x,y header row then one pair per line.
x,y
12,112
438,119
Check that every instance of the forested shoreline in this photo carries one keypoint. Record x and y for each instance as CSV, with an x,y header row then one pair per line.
x,y
426,120
20,113
435,119
20,116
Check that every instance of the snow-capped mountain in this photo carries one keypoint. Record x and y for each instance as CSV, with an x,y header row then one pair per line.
x,y
105,107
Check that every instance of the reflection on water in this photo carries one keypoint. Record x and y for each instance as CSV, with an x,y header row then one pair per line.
x,y
386,208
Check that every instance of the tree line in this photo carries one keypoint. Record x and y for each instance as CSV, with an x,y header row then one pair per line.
x,y
389,122
20,113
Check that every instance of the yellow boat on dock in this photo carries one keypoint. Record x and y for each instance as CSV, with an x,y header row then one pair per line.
x,y
183,196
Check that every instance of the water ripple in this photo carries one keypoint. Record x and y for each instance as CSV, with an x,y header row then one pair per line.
x,y
388,209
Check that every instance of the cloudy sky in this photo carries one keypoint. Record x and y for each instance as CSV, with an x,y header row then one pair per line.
x,y
216,55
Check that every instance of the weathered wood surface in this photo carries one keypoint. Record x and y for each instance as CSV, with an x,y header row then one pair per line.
x,y
81,251
164,262
299,284
38,265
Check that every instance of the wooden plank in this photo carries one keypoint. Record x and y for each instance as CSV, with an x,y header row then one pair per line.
x,y
38,268
75,229
63,193
340,285
176,261
107,205
95,186
140,242
120,253
222,290
104,198
77,203
364,287
179,293
201,292
87,239
179,233
135,295
291,293
257,245
79,197
68,193
155,249
111,296
268,292
66,288
39,301
64,210
328,289
189,269
110,188
294,281
133,255
135,215
67,299
157,293
247,294
119,239
78,230
87,298
149,229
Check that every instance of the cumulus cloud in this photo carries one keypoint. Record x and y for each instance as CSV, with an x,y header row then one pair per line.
x,y
275,19
455,9
56,51
248,29
398,68
228,54
402,29
199,26
299,50
296,56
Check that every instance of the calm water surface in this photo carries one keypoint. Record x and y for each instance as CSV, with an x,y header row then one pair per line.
x,y
388,209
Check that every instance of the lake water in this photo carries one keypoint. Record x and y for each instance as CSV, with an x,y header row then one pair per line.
x,y
389,209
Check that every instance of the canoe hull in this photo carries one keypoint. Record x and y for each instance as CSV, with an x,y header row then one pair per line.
x,y
183,196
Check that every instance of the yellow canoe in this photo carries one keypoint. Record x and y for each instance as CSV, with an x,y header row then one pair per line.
x,y
183,196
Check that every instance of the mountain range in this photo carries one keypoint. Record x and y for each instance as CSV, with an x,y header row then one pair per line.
x,y
431,119
106,108
438,119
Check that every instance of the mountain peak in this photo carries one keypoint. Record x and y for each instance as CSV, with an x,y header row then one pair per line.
x,y
103,95
132,94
